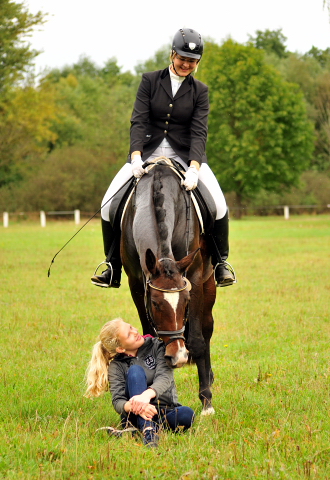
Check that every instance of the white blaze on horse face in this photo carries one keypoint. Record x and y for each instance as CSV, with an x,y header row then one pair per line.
x,y
173,299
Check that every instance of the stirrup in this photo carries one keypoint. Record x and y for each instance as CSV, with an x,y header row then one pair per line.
x,y
109,266
230,269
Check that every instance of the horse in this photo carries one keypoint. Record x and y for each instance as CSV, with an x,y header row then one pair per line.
x,y
169,272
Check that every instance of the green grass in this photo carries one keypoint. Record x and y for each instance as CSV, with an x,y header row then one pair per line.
x,y
270,354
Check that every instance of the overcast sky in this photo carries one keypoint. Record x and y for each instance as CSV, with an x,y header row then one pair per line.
x,y
132,31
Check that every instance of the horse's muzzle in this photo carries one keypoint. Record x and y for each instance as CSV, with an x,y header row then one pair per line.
x,y
176,358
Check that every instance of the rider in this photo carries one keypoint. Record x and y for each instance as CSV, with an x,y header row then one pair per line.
x,y
170,119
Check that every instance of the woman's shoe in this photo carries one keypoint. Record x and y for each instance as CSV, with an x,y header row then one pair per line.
x,y
109,278
150,438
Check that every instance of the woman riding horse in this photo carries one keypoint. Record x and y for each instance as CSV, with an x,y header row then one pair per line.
x,y
170,119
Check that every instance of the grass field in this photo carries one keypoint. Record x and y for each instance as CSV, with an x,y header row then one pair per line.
x,y
270,353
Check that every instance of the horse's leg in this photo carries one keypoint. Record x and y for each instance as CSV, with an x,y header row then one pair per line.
x,y
196,343
209,291
137,292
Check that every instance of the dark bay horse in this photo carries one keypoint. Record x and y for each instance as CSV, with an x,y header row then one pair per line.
x,y
157,232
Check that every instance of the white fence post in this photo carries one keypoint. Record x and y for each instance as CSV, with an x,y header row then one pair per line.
x,y
42,218
286,212
77,217
5,219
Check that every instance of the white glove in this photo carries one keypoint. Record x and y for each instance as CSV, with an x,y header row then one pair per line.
x,y
137,169
191,178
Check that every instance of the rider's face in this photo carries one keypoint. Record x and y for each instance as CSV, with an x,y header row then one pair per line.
x,y
183,65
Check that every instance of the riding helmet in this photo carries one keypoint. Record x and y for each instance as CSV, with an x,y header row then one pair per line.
x,y
188,43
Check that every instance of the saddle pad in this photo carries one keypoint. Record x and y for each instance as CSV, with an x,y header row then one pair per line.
x,y
202,200
118,201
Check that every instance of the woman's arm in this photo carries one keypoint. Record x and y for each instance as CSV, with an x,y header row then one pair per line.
x,y
140,117
163,377
117,386
198,128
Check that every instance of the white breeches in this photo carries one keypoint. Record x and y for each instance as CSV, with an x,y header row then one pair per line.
x,y
205,175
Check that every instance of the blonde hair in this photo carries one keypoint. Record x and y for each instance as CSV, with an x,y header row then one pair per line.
x,y
102,354
173,54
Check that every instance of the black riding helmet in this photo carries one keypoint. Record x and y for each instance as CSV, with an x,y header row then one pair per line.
x,y
188,43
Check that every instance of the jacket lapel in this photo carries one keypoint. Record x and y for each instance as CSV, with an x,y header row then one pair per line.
x,y
165,82
185,87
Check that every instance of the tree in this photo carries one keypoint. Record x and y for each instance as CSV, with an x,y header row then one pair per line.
x,y
25,130
15,54
322,56
322,125
259,135
160,60
272,41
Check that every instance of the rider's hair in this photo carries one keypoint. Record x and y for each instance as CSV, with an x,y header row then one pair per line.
x,y
102,354
173,54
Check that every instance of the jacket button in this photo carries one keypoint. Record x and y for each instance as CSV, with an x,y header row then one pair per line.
x,y
170,105
165,131
168,114
166,123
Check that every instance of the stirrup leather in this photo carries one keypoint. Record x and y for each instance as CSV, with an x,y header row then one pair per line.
x,y
230,269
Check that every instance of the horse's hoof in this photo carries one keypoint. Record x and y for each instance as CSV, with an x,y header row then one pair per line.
x,y
208,411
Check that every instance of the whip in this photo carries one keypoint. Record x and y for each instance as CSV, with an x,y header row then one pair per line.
x,y
50,266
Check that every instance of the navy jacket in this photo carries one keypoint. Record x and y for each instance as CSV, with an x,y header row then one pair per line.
x,y
182,119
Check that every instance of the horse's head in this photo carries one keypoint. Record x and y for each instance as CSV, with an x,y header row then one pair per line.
x,y
167,298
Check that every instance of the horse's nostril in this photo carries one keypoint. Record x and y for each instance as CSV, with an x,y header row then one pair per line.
x,y
169,360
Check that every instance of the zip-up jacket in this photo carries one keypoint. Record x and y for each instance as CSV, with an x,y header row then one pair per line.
x,y
150,356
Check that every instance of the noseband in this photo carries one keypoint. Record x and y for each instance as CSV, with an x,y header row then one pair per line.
x,y
173,334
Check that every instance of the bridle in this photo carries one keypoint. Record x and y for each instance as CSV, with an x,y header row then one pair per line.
x,y
173,334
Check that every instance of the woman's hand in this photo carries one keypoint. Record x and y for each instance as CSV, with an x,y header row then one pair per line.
x,y
138,403
137,163
191,177
148,412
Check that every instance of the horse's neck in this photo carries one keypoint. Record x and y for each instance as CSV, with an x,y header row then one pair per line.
x,y
154,217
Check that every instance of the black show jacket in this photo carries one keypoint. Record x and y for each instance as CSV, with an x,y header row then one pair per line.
x,y
182,119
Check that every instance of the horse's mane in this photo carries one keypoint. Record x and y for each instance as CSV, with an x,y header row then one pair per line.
x,y
160,212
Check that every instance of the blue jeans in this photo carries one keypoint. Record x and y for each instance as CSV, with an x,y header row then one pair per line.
x,y
136,383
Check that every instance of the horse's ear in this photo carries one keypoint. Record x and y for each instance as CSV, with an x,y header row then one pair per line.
x,y
151,261
185,262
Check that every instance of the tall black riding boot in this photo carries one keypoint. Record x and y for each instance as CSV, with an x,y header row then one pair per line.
x,y
222,274
111,241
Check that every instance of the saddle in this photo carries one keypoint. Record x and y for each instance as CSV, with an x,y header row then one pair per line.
x,y
202,200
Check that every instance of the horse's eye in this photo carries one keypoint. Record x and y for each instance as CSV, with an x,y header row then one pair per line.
x,y
154,304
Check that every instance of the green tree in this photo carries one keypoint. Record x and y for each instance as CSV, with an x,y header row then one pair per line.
x,y
272,41
16,56
160,60
86,68
322,56
259,135
322,124
25,130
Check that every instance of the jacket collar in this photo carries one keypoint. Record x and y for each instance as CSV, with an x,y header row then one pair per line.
x,y
165,81
145,346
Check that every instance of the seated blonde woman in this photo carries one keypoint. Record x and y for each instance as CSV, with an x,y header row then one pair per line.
x,y
141,384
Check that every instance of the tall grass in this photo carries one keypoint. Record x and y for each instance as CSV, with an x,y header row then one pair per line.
x,y
270,355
